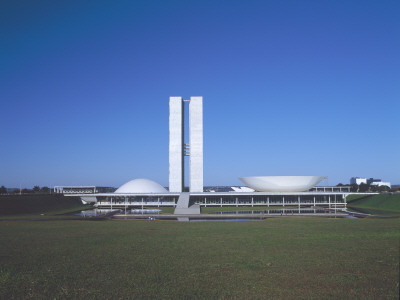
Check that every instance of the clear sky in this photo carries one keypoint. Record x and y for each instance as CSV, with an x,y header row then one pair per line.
x,y
289,87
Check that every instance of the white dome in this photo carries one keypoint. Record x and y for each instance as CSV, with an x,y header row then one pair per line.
x,y
141,186
281,183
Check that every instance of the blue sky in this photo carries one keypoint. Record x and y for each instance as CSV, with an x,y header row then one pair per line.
x,y
289,87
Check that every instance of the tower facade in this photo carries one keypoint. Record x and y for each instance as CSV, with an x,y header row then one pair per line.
x,y
176,144
196,144
178,148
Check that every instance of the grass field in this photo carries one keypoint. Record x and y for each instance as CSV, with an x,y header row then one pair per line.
x,y
382,204
37,204
352,197
302,258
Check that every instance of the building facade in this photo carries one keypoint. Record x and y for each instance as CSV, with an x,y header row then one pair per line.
x,y
358,180
178,148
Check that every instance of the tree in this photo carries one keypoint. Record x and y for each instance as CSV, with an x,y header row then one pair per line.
x,y
36,189
354,187
339,184
363,187
3,190
44,189
374,188
383,188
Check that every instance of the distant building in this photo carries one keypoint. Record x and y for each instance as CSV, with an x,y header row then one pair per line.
x,y
381,183
371,181
358,180
83,189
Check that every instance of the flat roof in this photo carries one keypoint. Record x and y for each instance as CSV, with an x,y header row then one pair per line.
x,y
220,194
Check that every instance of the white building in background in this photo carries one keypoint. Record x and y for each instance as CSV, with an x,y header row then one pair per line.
x,y
178,148
358,180
381,183
370,181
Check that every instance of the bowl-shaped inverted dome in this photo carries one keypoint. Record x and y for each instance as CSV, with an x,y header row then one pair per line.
x,y
141,186
281,183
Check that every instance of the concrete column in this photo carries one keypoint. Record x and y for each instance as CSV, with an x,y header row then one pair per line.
x,y
283,201
335,203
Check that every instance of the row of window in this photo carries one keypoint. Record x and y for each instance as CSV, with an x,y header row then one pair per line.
x,y
227,199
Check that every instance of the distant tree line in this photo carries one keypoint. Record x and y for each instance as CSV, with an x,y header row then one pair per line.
x,y
366,187
36,190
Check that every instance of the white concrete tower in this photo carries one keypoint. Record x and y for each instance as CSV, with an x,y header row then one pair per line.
x,y
196,143
178,149
176,134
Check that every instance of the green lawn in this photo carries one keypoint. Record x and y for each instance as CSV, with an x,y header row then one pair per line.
x,y
355,196
280,258
164,209
384,204
37,204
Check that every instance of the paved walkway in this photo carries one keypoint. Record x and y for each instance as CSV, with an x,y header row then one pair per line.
x,y
182,207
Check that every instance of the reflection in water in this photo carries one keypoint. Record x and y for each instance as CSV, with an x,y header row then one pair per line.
x,y
373,212
240,215
280,211
99,212
145,211
226,220
362,211
94,212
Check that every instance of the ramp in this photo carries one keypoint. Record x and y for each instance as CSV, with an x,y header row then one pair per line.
x,y
182,207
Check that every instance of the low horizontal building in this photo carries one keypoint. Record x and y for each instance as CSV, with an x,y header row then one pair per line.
x,y
83,189
111,200
147,193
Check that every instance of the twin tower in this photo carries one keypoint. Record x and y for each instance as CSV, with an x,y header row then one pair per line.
x,y
178,148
